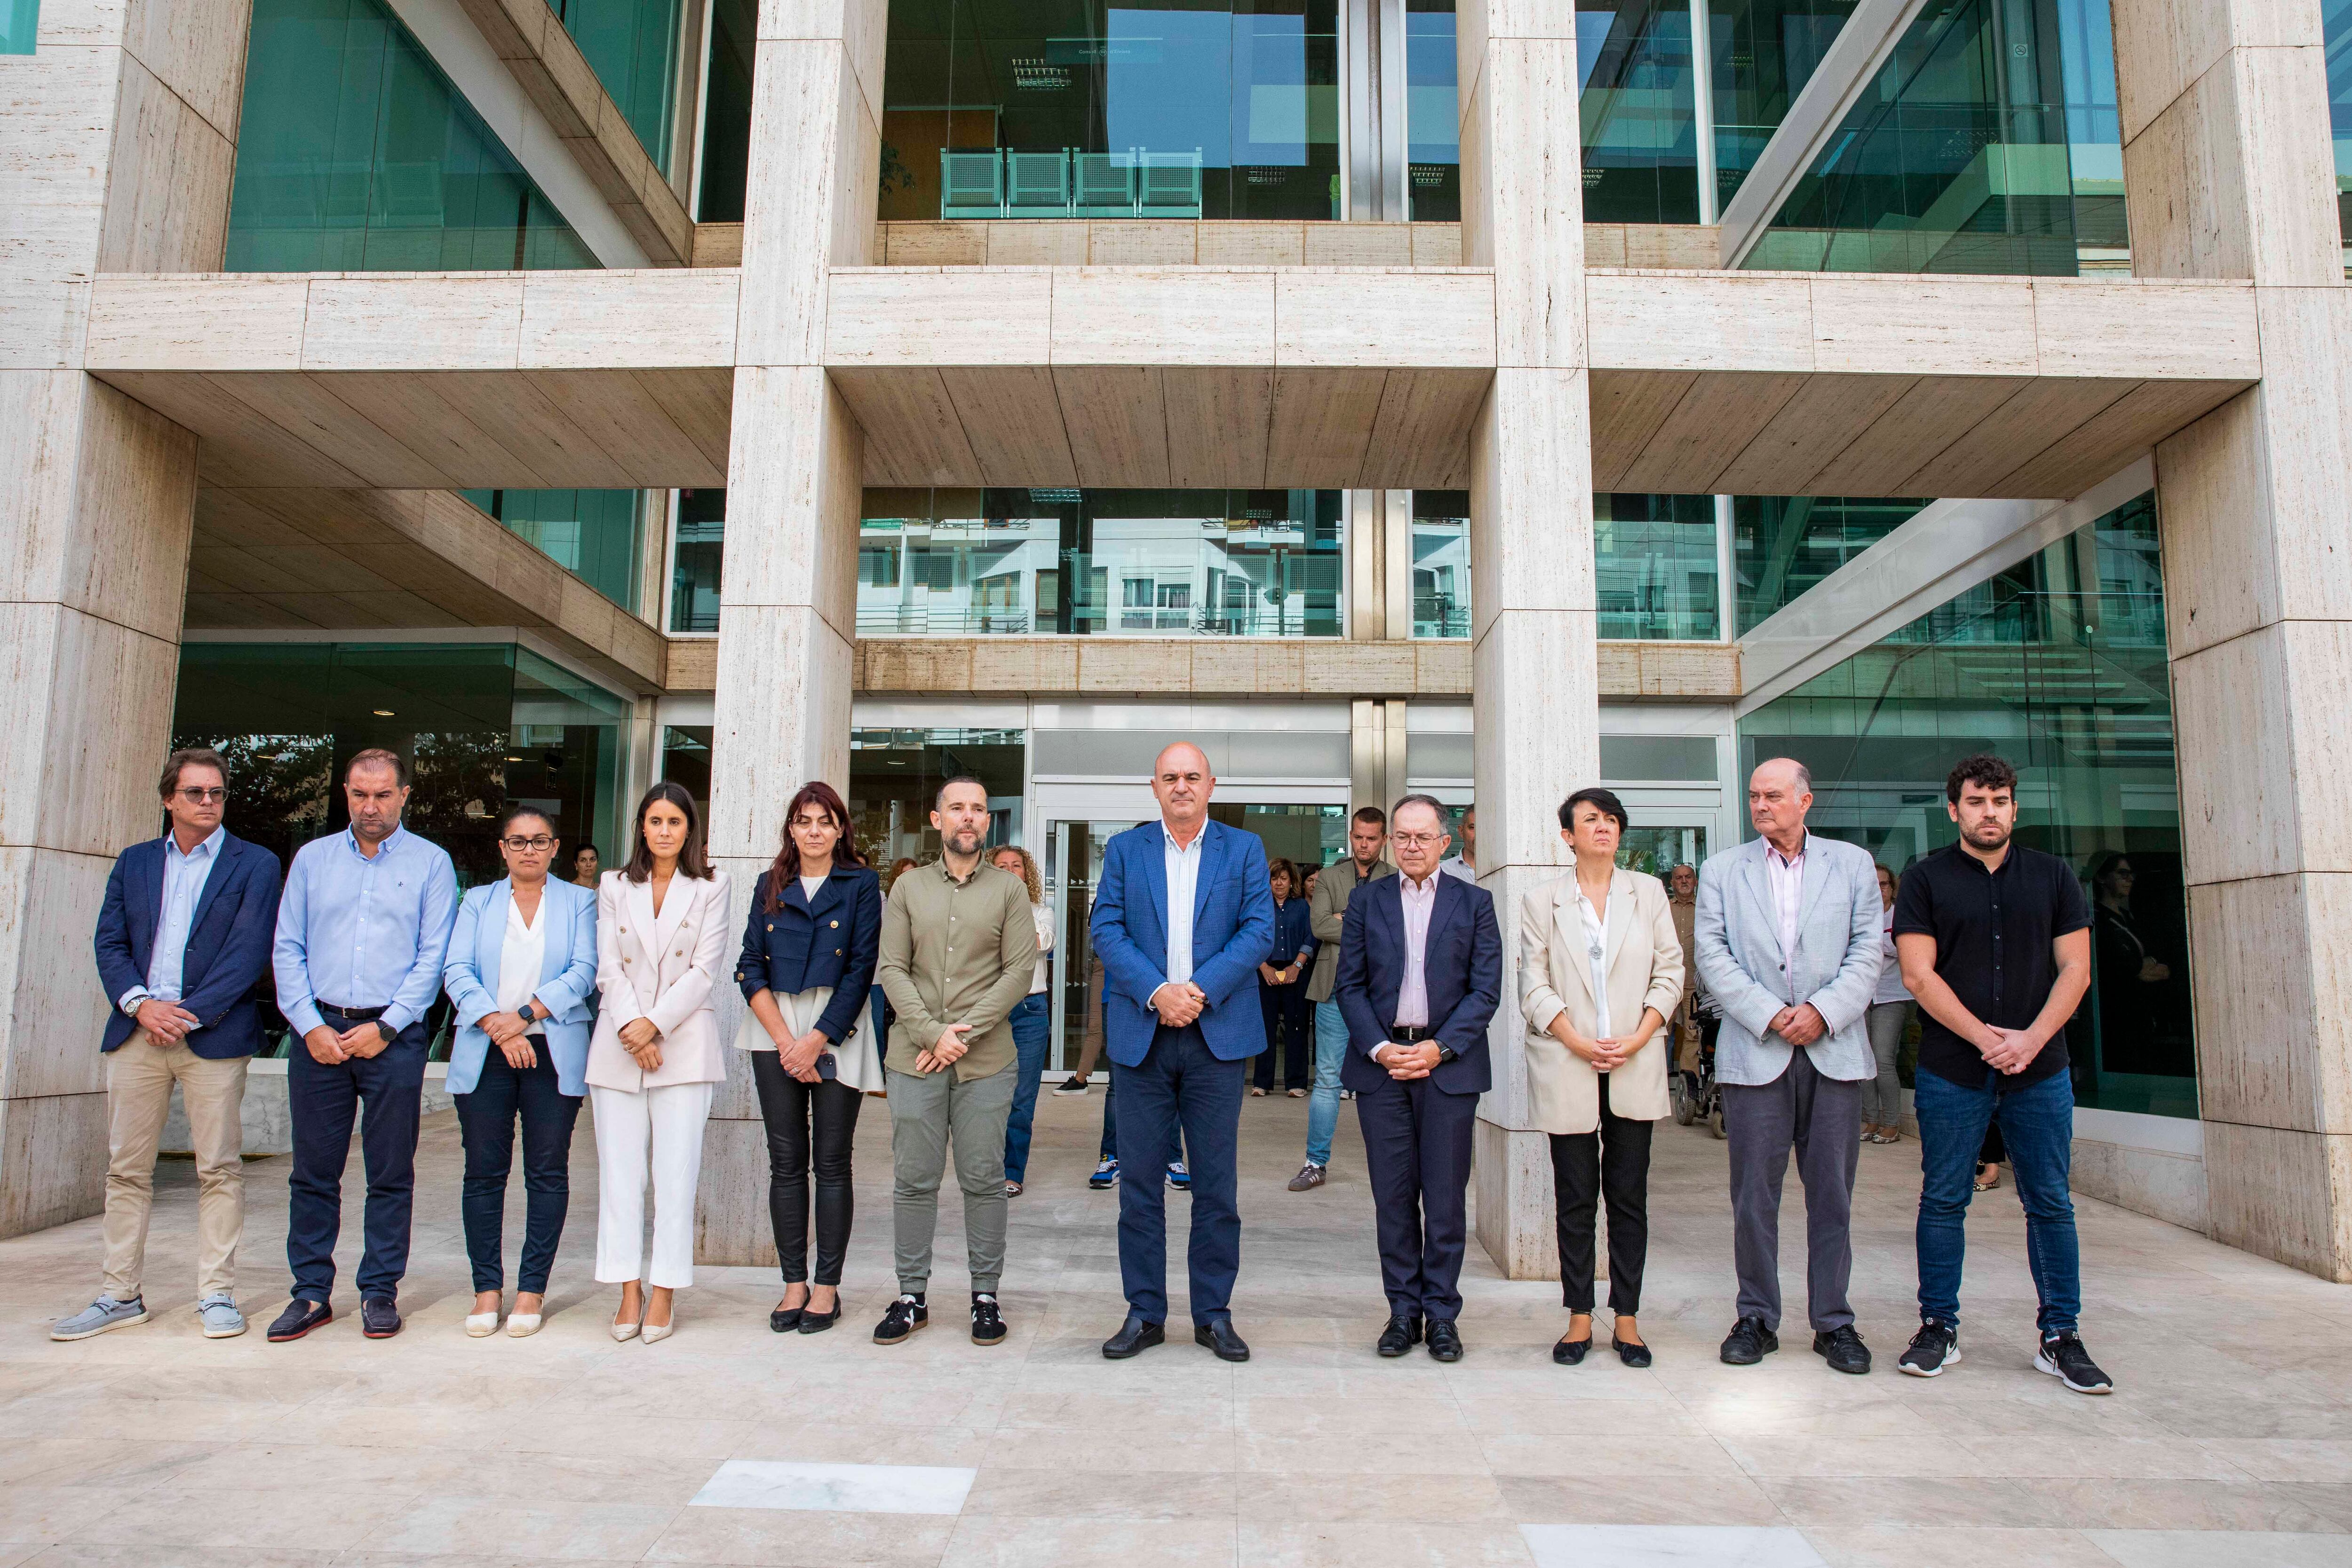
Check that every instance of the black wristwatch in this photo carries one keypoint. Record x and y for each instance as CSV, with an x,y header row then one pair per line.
x,y
1446,1054
526,1014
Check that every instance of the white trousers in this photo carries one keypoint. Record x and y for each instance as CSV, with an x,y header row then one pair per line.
x,y
656,1133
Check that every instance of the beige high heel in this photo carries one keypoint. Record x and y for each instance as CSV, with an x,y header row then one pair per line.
x,y
621,1331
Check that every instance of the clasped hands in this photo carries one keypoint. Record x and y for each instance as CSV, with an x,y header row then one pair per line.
x,y
1179,1002
1799,1026
506,1032
166,1023
1407,1061
1602,1055
643,1042
331,1048
945,1051
2008,1050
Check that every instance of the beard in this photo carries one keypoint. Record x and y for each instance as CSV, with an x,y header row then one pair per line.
x,y
962,844
1988,835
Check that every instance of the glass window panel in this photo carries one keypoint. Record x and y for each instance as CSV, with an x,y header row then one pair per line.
x,y
894,775
686,760
19,21
960,562
631,45
356,154
1764,52
724,165
1782,545
1641,146
592,534
2335,19
1433,113
697,553
1048,108
2057,664
1441,563
1656,566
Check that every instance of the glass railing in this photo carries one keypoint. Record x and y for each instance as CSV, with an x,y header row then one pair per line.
x,y
1002,182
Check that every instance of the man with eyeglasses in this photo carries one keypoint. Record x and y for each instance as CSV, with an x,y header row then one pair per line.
x,y
182,944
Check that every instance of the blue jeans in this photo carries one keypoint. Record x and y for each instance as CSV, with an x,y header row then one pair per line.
x,y
1323,1105
486,1121
1180,1098
324,1102
2038,1125
1032,1024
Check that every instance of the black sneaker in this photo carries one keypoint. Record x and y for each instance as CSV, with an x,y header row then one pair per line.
x,y
900,1320
1072,1085
1936,1346
1844,1350
987,1326
1748,1343
2063,1358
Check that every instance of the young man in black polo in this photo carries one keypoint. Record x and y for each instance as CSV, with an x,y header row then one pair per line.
x,y
1995,942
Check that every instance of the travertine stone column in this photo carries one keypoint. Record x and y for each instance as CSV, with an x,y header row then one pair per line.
x,y
115,150
2228,175
1533,676
785,636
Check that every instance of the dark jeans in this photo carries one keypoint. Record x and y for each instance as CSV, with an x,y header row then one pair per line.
x,y
324,1102
1032,1027
1611,1162
1417,1157
1110,1111
486,1119
1820,1120
1285,1005
2037,1127
1179,1087
809,1125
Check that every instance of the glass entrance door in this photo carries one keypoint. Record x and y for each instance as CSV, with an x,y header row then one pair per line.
x,y
1074,861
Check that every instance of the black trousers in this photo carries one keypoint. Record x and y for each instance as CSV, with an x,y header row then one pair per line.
x,y
1286,1006
1612,1162
486,1120
810,1125
325,1102
1417,1157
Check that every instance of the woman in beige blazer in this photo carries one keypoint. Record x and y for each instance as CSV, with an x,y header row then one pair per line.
x,y
1600,971
661,936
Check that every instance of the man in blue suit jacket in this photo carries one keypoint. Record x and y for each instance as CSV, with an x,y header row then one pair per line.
x,y
182,944
1421,972
1182,916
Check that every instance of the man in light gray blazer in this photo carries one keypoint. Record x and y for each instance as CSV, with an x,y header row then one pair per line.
x,y
1787,930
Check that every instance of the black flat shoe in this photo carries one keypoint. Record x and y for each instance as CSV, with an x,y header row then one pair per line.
x,y
1219,1336
1630,1353
379,1317
299,1319
1401,1334
1570,1353
785,1319
1748,1343
1444,1339
1134,1336
815,1323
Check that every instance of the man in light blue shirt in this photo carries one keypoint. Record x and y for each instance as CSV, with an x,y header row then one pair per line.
x,y
362,933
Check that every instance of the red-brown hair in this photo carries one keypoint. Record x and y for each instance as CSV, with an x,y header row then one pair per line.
x,y
826,799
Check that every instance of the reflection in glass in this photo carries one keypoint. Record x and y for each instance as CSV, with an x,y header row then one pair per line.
x,y
961,563
592,534
355,154
1782,545
1078,109
631,45
724,169
1641,141
699,548
1433,114
1656,567
1763,51
895,774
1441,563
2057,664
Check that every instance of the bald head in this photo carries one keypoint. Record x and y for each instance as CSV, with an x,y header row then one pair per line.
x,y
1779,793
1182,782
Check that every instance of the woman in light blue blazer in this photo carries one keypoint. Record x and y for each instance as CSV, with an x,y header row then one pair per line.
x,y
521,967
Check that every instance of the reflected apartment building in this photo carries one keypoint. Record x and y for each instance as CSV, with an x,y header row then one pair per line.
x,y
526,575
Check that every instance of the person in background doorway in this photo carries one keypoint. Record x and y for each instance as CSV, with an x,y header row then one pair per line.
x,y
1463,861
363,931
1890,1014
587,865
1681,900
183,942
1282,988
1306,887
2131,979
805,970
1032,1019
655,1059
522,964
1368,837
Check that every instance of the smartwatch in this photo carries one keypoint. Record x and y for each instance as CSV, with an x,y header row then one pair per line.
x,y
527,1014
1446,1054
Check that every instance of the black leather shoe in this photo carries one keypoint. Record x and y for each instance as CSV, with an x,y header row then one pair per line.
x,y
1748,1343
1219,1336
1134,1335
1403,1333
1444,1339
785,1319
299,1319
816,1322
1844,1350
1629,1353
987,1322
379,1318
1570,1353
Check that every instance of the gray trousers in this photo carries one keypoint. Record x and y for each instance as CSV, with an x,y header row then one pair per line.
x,y
1821,1118
1882,1097
927,1111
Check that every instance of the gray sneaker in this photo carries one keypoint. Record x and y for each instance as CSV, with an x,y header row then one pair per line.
x,y
221,1318
100,1315
1308,1177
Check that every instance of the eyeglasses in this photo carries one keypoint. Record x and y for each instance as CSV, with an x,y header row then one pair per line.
x,y
1415,840
542,844
195,796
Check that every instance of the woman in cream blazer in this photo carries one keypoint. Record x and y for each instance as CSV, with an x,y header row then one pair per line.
x,y
661,937
1600,971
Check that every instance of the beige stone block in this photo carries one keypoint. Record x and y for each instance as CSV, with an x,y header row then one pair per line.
x,y
1134,242
1323,424
1531,198
67,783
1013,243
1248,667
918,664
719,244
572,98
2265,767
915,437
935,245
1536,718
50,1011
1677,247
860,26
198,323
2219,524
465,321
2161,45
1359,668
1134,664
1437,244
1442,668
1116,420
1025,664
1217,423
1384,319
167,183
807,114
1421,437
1012,420
963,317
1948,326
52,1161
42,321
1763,323
1359,245
2145,328
2283,1195
794,489
1604,245
1692,671
1250,244
589,320
2166,1186
2274,996
690,664
1531,508
1512,1173
782,712
194,48
730,1202
1139,316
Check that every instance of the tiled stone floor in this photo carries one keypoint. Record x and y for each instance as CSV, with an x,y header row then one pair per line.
x,y
2230,1440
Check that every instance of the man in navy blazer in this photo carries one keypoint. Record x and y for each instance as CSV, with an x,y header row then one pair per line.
x,y
182,944
1182,916
1421,972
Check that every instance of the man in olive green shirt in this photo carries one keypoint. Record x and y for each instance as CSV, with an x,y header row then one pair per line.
x,y
1367,835
958,952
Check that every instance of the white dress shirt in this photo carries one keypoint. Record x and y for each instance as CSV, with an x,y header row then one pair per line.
x,y
1785,874
1413,992
1183,863
1596,951
520,956
1042,916
185,877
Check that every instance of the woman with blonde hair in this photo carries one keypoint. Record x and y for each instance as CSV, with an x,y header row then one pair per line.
x,y
1032,1018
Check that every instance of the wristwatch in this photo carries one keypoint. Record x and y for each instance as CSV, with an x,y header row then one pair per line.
x,y
526,1014
1446,1054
